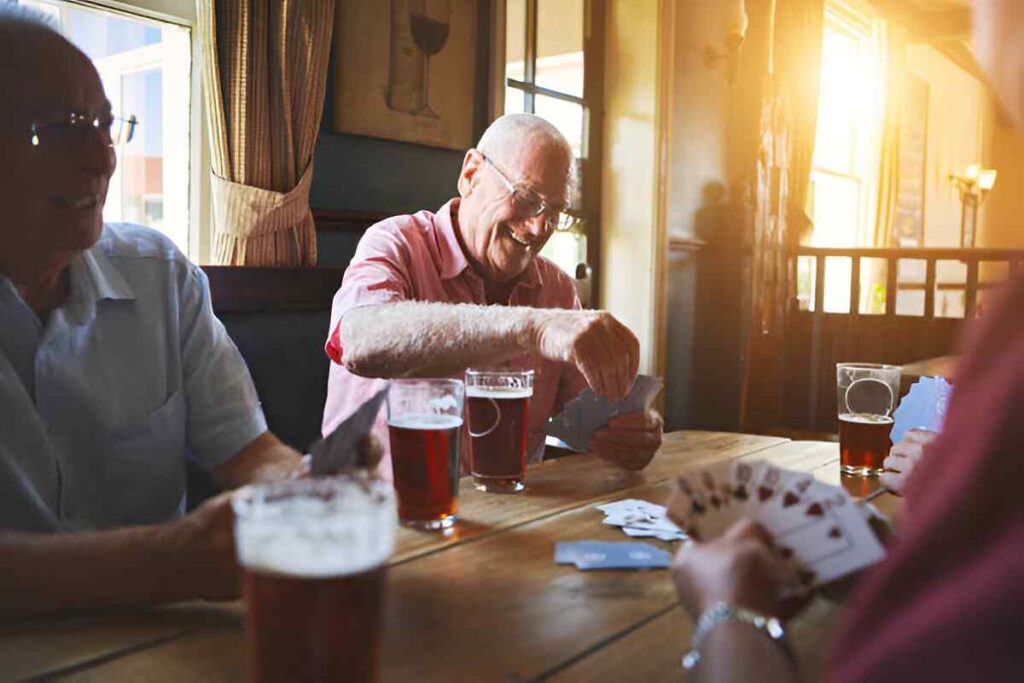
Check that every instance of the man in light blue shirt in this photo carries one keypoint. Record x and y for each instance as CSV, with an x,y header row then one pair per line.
x,y
112,365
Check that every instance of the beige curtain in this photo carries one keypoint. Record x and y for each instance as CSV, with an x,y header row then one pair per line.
x,y
895,42
264,76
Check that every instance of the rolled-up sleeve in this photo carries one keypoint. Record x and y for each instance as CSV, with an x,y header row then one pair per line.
x,y
224,413
377,275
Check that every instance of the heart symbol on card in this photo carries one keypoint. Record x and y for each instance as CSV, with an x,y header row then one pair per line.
x,y
835,533
815,510
764,493
790,499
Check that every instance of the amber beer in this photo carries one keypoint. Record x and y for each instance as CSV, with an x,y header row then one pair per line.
x,y
499,423
863,442
313,555
425,463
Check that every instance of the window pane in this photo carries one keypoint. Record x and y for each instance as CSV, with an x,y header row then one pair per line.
x,y
566,117
144,66
560,45
836,210
566,249
515,101
515,39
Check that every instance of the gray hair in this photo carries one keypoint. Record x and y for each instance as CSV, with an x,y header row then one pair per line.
x,y
15,17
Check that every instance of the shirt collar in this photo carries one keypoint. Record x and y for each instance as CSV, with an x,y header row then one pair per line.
x,y
95,278
453,259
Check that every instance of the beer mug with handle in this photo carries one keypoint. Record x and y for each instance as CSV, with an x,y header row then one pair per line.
x,y
866,394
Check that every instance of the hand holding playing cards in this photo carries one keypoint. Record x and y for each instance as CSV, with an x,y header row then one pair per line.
x,y
630,440
740,568
903,458
603,349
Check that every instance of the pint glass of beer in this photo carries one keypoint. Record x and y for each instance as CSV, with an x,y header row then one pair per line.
x,y
499,420
424,421
866,396
313,554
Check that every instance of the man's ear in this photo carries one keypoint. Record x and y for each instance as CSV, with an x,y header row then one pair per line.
x,y
471,165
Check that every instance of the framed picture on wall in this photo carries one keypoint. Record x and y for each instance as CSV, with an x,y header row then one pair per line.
x,y
406,70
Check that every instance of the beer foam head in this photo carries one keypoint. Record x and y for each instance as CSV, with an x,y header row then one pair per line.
x,y
499,392
426,421
315,528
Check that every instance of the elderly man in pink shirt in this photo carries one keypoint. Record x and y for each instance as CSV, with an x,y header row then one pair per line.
x,y
431,294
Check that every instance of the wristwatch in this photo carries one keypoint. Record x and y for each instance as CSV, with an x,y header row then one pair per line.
x,y
722,613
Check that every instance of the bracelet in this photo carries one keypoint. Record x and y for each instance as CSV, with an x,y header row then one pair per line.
x,y
722,613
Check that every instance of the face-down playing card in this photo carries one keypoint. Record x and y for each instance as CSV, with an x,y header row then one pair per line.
x,y
588,412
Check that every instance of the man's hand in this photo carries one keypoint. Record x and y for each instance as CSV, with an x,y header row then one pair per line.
x,y
740,568
903,458
629,441
603,349
206,536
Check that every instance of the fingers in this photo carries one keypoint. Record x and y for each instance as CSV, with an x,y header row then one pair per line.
x,y
894,481
605,351
647,420
921,436
626,456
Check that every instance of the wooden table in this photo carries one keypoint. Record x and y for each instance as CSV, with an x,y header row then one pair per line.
x,y
484,603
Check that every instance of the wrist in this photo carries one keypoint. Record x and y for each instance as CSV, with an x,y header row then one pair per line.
x,y
720,615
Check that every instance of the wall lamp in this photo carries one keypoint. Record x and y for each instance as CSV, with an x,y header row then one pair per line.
x,y
735,12
974,185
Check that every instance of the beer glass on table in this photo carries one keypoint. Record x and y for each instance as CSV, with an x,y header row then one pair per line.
x,y
866,397
424,421
314,554
499,424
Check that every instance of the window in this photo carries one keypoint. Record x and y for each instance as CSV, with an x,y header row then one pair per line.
x,y
545,64
847,150
145,66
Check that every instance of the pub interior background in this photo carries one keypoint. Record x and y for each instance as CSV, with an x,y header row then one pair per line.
x,y
767,187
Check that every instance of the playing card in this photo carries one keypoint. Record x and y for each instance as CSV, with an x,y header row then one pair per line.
x,y
339,450
622,555
924,407
588,412
639,518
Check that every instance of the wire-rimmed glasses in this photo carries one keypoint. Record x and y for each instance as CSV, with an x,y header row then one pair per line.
x,y
529,204
72,130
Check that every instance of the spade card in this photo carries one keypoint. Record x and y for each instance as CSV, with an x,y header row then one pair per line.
x,y
588,412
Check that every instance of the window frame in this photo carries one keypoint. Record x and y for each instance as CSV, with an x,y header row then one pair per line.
x,y
593,95
200,208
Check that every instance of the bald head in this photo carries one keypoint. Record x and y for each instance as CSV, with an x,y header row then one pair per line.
x,y
513,132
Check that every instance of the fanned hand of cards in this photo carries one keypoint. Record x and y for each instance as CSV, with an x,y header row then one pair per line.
x,y
818,528
588,412
924,407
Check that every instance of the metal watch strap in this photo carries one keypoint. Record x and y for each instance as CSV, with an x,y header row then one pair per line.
x,y
722,613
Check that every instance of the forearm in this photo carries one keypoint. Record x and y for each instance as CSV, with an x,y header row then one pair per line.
x,y
738,652
138,565
265,459
420,339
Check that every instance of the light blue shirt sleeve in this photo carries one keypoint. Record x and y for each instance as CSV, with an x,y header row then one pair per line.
x,y
223,410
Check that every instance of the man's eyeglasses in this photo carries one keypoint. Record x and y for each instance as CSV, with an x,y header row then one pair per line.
x,y
73,130
528,204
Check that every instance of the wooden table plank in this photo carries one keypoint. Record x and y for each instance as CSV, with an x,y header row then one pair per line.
x,y
496,608
558,485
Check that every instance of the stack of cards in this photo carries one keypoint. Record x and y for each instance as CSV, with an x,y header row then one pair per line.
x,y
819,528
638,518
603,555
924,407
588,412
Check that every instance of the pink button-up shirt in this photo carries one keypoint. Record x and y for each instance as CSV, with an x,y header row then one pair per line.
x,y
418,258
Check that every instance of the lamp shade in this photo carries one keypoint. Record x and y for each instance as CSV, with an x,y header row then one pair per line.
x,y
987,179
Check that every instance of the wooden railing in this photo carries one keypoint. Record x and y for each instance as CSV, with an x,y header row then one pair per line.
x,y
817,339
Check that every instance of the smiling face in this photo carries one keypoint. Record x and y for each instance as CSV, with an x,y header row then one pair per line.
x,y
499,240
52,194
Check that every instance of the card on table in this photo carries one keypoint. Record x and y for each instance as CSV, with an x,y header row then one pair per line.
x,y
588,412
611,555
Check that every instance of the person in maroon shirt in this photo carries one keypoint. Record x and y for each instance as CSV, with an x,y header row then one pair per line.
x,y
948,601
